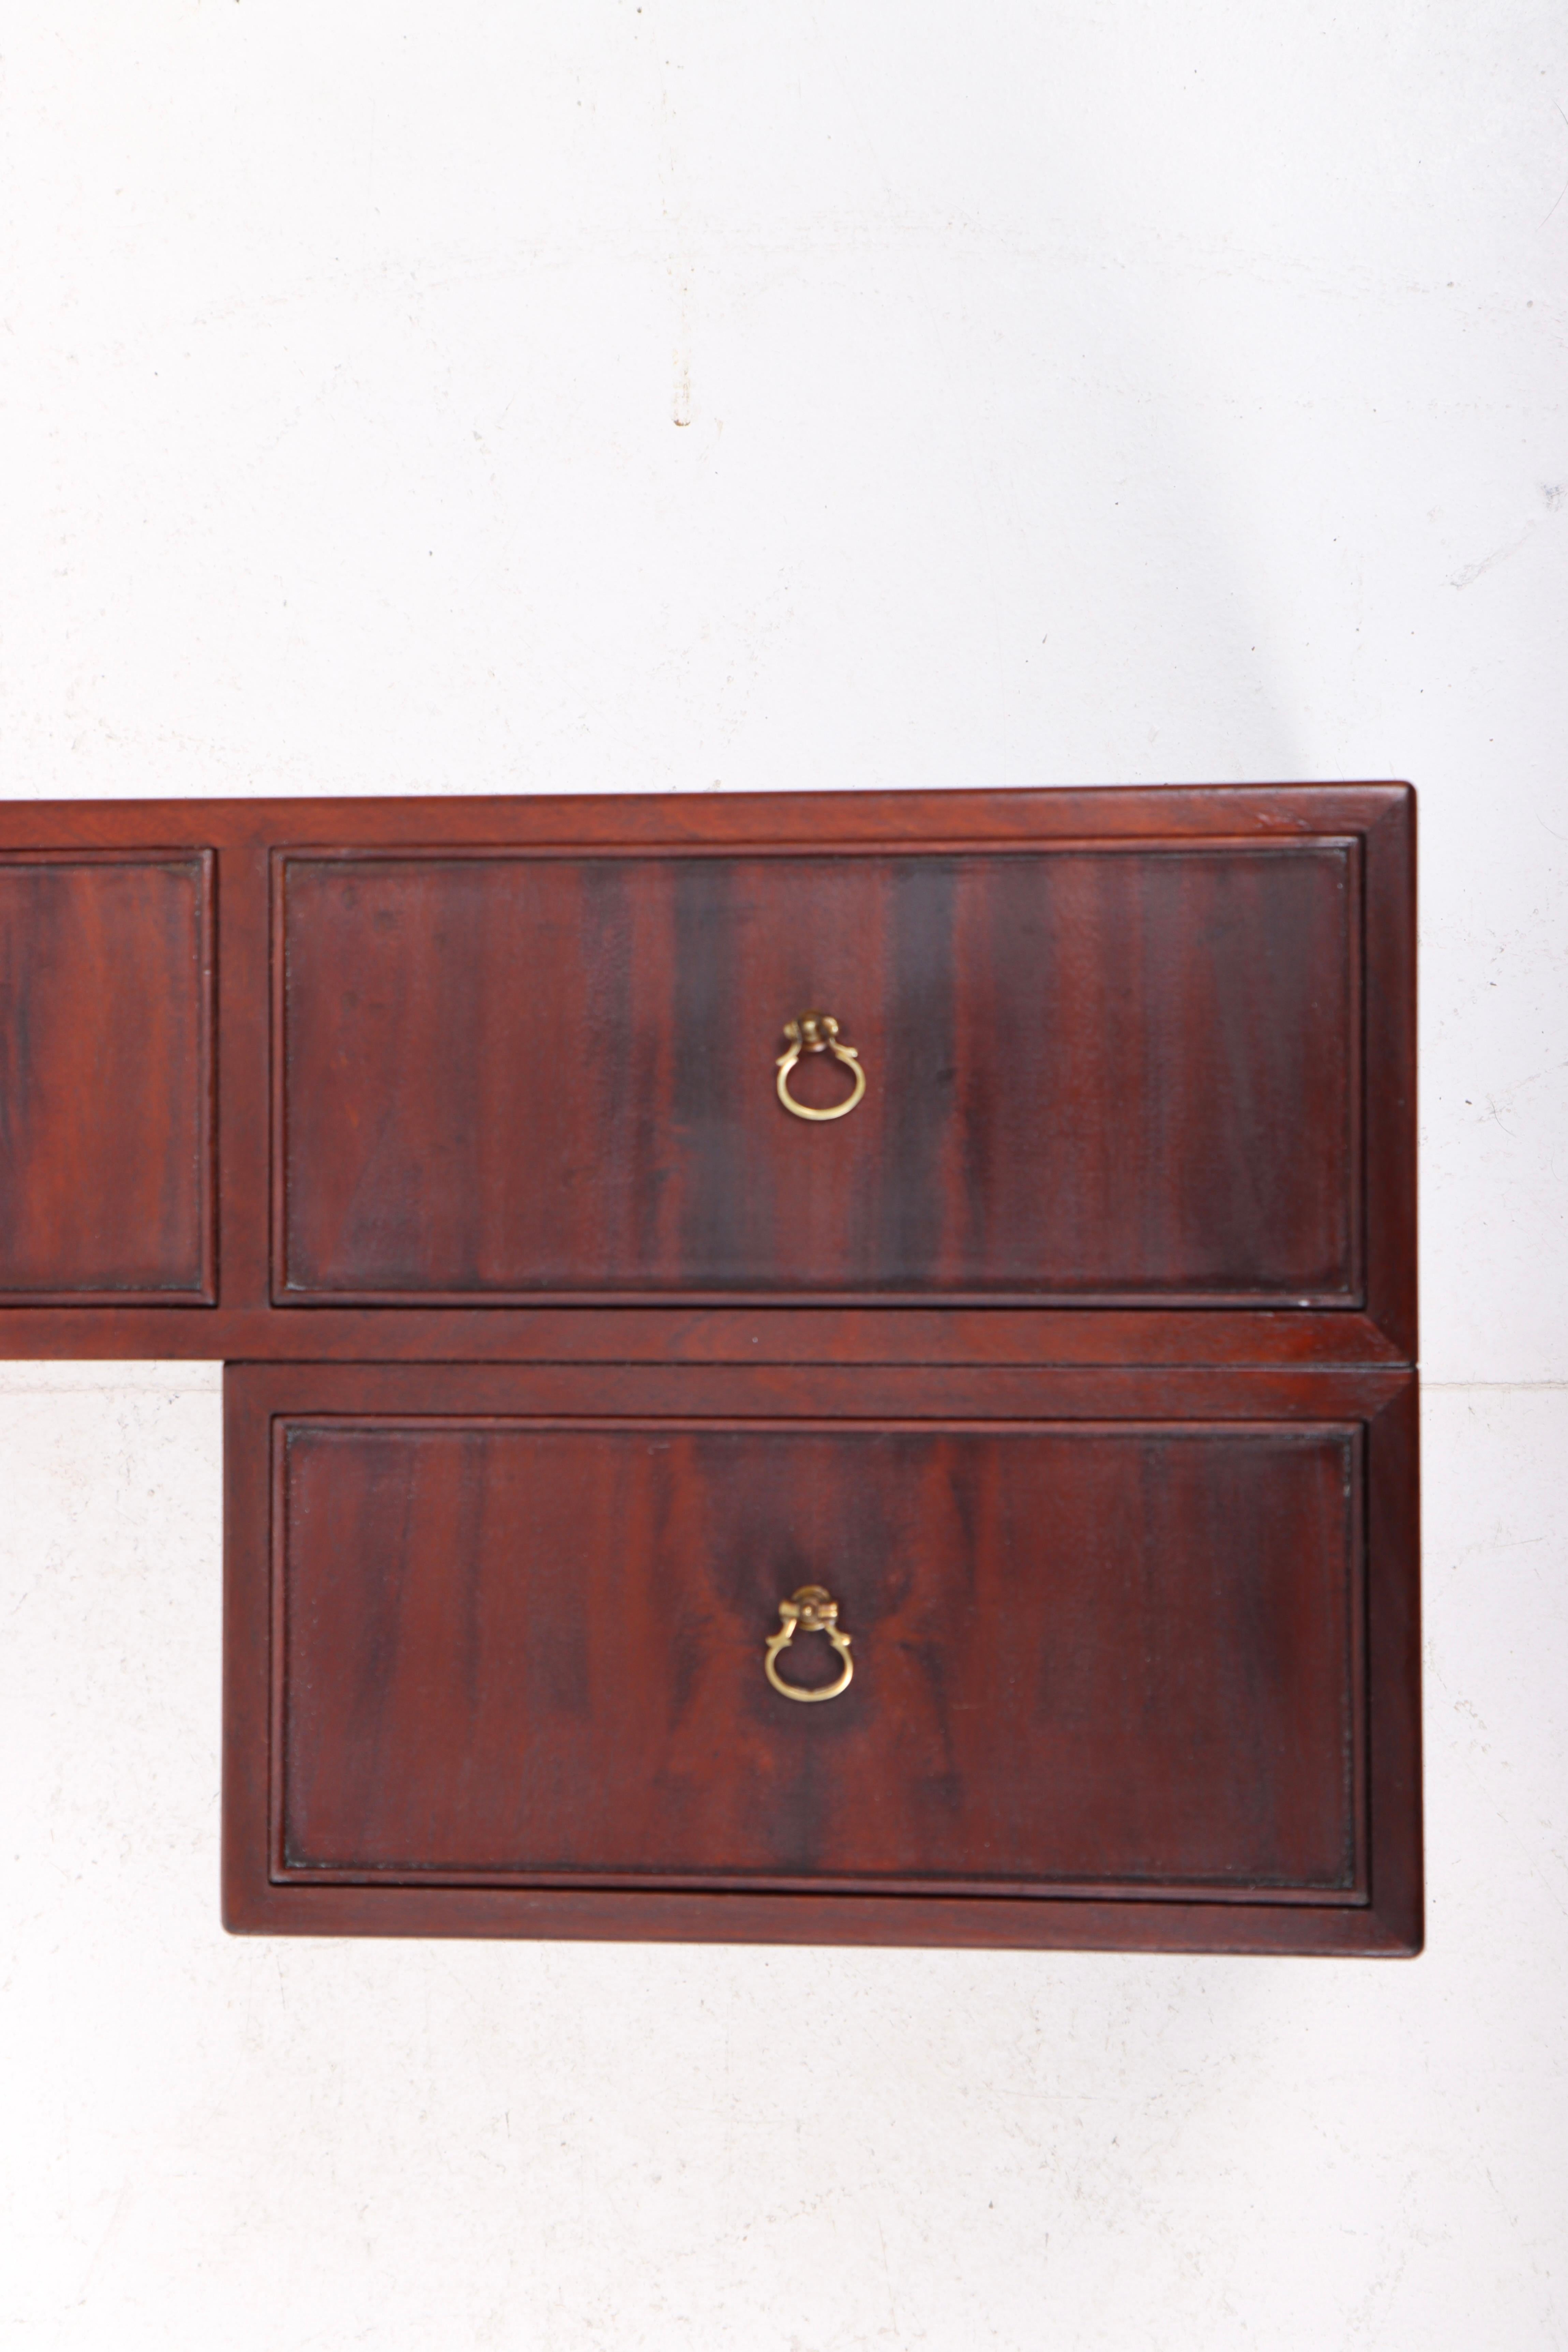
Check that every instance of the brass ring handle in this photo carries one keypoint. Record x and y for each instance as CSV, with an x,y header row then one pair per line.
x,y
814,1613
817,1033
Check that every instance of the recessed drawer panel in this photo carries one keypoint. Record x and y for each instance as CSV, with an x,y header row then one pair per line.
x,y
1092,1656
1124,1071
105,1019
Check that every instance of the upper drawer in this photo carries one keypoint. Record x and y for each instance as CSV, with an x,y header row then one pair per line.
x,y
1122,1071
105,1096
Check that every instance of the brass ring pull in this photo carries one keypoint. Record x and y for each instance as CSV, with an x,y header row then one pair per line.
x,y
811,1610
817,1033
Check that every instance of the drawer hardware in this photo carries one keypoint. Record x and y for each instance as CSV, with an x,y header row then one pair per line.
x,y
817,1033
814,1613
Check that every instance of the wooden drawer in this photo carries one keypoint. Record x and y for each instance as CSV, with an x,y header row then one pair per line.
x,y
1132,1656
1125,1071
105,1061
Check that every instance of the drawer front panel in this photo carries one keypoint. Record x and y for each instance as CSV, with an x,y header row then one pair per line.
x,y
105,1165
1123,1072
1096,1656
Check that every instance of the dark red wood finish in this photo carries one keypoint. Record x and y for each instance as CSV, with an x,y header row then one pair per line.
x,y
1128,1670
1376,1259
1101,1073
1112,1656
105,1076
699,1335
1114,1283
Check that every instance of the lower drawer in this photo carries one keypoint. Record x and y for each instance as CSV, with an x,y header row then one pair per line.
x,y
1100,1659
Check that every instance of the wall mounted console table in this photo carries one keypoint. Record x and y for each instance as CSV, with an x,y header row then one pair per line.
x,y
812,1369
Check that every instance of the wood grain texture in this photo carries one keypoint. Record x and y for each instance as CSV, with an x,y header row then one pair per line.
x,y
1120,1073
105,1078
707,1335
245,836
499,1568
1010,817
1098,1656
1230,1103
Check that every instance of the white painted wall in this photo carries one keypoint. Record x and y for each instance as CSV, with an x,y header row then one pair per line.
x,y
571,396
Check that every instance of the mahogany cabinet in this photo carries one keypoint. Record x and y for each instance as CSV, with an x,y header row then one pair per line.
x,y
1061,1344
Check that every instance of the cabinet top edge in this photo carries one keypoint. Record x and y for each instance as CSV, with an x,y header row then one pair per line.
x,y
821,818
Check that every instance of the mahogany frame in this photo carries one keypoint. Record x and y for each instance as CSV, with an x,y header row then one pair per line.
x,y
1222,1361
